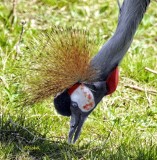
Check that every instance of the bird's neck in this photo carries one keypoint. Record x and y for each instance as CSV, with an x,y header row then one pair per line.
x,y
113,51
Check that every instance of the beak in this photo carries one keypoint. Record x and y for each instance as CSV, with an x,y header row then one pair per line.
x,y
83,100
76,123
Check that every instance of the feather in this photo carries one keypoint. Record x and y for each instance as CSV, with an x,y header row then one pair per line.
x,y
60,58
112,52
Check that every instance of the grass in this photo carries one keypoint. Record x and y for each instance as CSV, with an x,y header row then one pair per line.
x,y
123,126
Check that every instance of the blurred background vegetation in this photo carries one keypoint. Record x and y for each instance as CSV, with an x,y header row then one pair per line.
x,y
123,126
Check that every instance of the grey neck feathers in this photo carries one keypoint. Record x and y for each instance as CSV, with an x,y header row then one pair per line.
x,y
112,52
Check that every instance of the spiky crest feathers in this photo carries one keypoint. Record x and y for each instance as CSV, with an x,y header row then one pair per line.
x,y
60,59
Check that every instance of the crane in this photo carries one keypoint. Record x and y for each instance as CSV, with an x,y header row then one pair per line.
x,y
62,67
81,99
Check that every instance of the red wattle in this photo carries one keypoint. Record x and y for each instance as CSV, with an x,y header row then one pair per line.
x,y
71,90
112,80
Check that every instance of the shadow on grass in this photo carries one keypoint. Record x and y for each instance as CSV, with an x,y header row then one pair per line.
x,y
16,139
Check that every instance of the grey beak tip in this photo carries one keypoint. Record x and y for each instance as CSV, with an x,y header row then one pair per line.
x,y
70,142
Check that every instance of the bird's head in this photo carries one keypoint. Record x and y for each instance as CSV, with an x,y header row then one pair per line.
x,y
81,99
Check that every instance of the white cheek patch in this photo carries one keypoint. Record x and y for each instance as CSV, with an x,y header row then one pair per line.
x,y
84,98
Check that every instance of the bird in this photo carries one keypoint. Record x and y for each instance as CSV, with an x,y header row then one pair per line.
x,y
106,62
77,80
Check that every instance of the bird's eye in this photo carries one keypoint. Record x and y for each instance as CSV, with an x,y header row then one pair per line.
x,y
74,104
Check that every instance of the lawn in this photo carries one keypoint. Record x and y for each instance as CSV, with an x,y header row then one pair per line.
x,y
123,126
